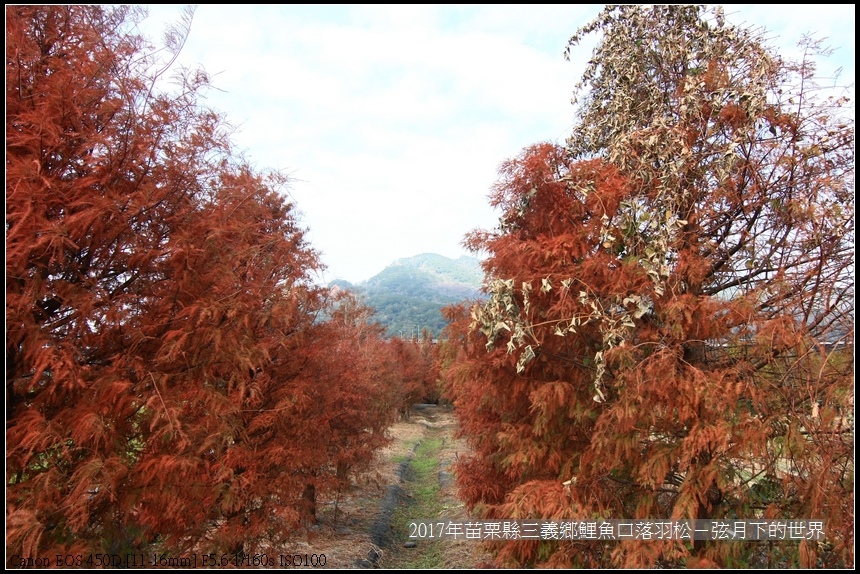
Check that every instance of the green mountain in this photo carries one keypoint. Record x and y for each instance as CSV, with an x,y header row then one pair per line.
x,y
409,294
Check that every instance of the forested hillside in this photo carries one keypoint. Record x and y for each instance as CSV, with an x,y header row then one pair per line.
x,y
408,295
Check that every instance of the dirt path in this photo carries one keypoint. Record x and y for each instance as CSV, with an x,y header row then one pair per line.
x,y
368,529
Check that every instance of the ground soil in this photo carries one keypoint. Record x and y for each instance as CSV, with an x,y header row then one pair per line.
x,y
354,531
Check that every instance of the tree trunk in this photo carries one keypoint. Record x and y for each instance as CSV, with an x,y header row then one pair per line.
x,y
309,500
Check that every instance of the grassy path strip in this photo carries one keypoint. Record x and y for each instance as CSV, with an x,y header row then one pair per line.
x,y
412,478
424,503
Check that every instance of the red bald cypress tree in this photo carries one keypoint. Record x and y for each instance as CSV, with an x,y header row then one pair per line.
x,y
344,392
171,379
684,417
418,371
670,323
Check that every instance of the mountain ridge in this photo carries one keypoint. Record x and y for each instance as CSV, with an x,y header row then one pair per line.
x,y
408,295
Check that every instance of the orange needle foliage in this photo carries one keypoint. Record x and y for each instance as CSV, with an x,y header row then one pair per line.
x,y
669,332
174,379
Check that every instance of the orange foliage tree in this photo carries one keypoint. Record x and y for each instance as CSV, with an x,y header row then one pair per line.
x,y
670,324
418,371
174,379
346,394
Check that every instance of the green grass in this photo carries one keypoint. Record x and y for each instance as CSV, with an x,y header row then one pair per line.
x,y
426,505
411,446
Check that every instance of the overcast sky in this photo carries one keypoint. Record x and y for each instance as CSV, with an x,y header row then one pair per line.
x,y
392,120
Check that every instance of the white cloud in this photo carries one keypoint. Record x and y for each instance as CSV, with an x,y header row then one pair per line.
x,y
393,119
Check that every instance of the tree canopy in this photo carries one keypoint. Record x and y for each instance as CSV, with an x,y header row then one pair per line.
x,y
175,380
669,332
